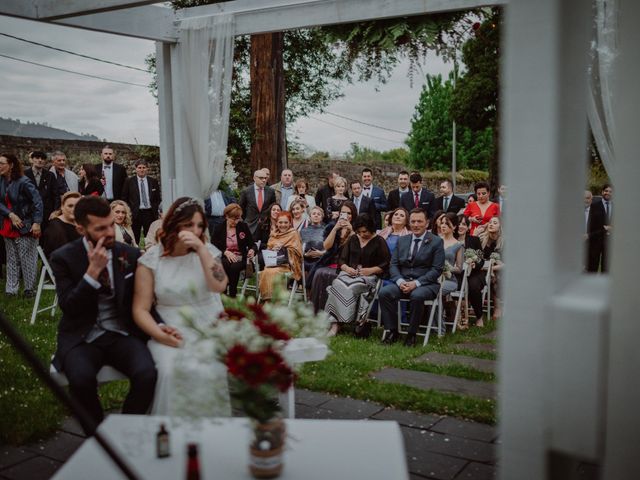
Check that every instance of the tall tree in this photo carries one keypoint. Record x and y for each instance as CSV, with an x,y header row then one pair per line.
x,y
475,99
430,139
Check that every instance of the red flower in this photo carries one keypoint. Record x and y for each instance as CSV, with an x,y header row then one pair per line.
x,y
283,377
476,26
271,329
232,314
258,311
253,368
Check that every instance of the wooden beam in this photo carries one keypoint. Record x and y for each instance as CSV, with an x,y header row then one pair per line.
x,y
253,16
149,22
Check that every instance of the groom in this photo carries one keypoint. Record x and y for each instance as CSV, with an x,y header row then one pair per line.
x,y
94,282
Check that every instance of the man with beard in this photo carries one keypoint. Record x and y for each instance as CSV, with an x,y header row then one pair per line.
x,y
45,182
393,200
113,174
94,282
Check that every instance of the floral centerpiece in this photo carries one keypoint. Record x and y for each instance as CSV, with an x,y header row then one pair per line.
x,y
251,339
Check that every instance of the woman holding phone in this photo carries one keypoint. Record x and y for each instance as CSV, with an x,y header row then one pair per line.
x,y
324,271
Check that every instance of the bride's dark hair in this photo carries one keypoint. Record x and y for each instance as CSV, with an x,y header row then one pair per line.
x,y
179,214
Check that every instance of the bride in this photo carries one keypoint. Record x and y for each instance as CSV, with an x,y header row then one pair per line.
x,y
182,274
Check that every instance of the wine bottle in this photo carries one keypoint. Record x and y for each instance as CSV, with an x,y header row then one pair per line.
x,y
193,462
162,442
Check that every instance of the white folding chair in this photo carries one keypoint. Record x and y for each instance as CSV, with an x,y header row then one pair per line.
x,y
46,282
486,291
462,295
296,284
256,270
424,331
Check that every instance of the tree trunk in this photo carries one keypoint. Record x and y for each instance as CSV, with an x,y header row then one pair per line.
x,y
269,147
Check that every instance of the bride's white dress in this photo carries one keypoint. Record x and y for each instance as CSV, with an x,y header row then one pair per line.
x,y
190,382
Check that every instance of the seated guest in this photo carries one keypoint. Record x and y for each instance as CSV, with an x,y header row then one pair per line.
x,y
299,214
301,193
313,238
62,229
491,241
475,280
89,183
471,198
269,226
233,238
122,216
181,278
481,211
334,203
453,255
324,272
416,266
435,221
397,227
363,259
152,235
94,282
288,239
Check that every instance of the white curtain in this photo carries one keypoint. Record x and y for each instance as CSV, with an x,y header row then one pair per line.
x,y
600,97
204,63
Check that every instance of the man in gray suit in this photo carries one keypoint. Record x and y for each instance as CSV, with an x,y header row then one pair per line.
x,y
416,266
255,200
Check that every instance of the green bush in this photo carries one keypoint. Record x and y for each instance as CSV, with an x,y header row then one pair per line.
x,y
597,177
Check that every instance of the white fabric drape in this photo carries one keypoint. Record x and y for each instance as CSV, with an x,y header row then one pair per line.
x,y
599,102
203,86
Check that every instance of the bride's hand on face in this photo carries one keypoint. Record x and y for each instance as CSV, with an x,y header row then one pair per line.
x,y
190,240
170,336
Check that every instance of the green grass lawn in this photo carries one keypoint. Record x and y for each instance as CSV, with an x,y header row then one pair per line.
x,y
30,412
346,371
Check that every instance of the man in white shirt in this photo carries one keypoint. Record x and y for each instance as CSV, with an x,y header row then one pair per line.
x,y
142,194
66,180
113,174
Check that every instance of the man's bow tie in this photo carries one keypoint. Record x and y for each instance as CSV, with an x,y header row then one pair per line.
x,y
367,188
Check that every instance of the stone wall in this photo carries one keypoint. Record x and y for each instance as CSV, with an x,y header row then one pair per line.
x,y
315,171
80,151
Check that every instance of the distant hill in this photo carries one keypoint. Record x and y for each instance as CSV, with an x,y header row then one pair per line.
x,y
9,126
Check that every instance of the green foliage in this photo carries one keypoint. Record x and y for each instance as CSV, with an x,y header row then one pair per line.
x,y
597,177
475,99
359,154
431,138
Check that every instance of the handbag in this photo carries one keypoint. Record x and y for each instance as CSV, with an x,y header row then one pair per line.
x,y
7,229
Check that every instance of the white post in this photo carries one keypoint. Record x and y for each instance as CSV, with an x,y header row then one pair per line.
x,y
165,110
543,152
623,389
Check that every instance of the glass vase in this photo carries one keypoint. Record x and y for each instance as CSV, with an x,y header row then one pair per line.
x,y
267,448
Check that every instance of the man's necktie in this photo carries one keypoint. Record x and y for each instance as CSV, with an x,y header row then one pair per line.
x,y
415,249
105,282
260,199
143,194
37,175
416,200
606,209
358,205
445,204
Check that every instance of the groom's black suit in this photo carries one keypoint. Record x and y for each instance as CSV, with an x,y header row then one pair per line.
x,y
78,355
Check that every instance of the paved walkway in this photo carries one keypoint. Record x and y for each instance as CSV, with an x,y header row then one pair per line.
x,y
437,447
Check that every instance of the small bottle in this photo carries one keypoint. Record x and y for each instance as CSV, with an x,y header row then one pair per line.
x,y
162,442
193,462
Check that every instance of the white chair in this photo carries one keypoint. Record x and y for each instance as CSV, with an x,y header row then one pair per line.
x,y
46,282
486,291
462,295
296,284
256,275
424,331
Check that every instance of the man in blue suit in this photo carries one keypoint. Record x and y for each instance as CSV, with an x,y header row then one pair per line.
x,y
376,194
416,266
418,197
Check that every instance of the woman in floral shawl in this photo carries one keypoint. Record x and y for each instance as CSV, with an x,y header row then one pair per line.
x,y
285,237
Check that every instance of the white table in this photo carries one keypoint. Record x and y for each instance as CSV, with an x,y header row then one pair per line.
x,y
316,450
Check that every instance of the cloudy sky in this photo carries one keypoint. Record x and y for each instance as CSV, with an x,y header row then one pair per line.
x,y
128,113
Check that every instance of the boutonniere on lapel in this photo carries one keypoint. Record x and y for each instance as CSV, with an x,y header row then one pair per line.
x,y
241,235
123,262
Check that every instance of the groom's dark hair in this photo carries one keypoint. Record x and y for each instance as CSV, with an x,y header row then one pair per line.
x,y
90,205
